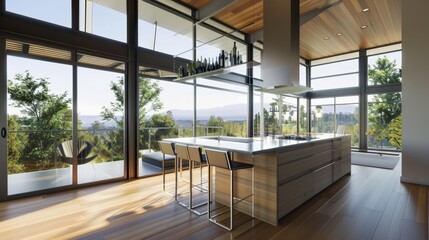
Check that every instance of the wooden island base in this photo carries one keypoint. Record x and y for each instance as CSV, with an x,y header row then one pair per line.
x,y
286,177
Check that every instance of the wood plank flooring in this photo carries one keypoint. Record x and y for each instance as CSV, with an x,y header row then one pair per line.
x,y
370,204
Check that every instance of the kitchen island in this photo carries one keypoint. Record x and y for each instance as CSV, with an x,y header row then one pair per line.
x,y
288,172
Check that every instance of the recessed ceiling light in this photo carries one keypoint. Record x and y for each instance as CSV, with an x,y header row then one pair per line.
x,y
365,9
326,38
364,26
339,34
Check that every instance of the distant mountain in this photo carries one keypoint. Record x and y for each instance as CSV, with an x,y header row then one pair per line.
x,y
88,120
236,112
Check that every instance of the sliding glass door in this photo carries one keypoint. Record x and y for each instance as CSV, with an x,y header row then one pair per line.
x,y
39,119
100,125
43,145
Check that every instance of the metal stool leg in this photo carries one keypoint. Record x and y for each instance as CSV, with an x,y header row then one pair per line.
x,y
163,172
191,164
231,199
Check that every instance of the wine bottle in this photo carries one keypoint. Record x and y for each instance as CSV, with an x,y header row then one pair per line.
x,y
220,60
234,54
223,58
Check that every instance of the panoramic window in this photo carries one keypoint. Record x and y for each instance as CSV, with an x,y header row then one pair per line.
x,y
385,69
221,110
347,117
303,119
322,115
302,75
105,18
39,114
101,124
385,121
164,32
335,75
280,120
165,111
52,11
336,115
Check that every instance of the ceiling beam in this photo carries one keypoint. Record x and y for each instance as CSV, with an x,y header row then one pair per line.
x,y
212,8
312,14
258,35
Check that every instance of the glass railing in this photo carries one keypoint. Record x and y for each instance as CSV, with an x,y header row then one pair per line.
x,y
37,150
42,159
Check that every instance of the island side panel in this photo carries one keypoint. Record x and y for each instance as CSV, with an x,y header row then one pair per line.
x,y
265,165
306,170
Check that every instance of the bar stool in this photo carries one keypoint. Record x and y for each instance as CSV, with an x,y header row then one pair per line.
x,y
167,149
221,159
193,154
196,155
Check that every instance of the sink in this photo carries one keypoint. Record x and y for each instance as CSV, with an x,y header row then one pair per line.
x,y
233,139
296,137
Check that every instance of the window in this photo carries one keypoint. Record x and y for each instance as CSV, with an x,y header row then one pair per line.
x,y
101,123
165,32
221,110
384,121
166,111
52,11
302,75
322,115
329,115
335,75
347,115
387,64
105,18
280,120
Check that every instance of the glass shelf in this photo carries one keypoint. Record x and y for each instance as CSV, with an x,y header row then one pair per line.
x,y
220,71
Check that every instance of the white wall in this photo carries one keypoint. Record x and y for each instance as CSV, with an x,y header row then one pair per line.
x,y
415,90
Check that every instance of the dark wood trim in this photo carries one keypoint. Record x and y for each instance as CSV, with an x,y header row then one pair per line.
x,y
132,93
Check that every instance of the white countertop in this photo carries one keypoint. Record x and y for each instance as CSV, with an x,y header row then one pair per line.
x,y
248,145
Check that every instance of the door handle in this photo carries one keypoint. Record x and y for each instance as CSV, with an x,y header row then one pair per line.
x,y
3,132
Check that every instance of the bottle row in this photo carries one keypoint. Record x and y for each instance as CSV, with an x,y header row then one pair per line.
x,y
222,61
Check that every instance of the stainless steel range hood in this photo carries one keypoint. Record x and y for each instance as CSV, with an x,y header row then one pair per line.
x,y
280,57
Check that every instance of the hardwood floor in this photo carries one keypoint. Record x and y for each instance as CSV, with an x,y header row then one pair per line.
x,y
370,204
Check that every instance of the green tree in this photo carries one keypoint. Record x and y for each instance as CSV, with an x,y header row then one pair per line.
x,y
148,101
213,124
162,121
14,146
41,110
386,106
395,132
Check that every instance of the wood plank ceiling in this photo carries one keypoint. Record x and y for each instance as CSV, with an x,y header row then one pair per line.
x,y
341,25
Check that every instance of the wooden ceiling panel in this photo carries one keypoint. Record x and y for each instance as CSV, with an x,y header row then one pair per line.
x,y
383,21
245,15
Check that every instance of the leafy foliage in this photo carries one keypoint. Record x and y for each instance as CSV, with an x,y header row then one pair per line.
x,y
386,106
42,110
395,132
14,146
148,101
